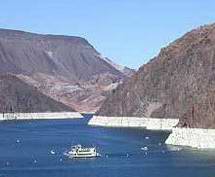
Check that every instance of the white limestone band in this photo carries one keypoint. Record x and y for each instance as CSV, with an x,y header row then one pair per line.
x,y
44,115
148,123
192,137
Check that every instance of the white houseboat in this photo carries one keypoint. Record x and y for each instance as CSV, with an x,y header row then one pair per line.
x,y
78,151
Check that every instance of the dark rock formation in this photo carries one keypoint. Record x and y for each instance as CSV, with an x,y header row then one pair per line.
x,y
178,83
66,68
17,96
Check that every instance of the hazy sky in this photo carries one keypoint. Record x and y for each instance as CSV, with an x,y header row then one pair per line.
x,y
130,32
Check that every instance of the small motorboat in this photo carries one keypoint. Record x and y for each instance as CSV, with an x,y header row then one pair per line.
x,y
52,152
78,151
145,148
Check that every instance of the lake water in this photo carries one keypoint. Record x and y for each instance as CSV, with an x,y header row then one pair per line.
x,y
25,152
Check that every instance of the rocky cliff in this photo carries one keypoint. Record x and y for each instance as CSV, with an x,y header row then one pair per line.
x,y
65,68
178,83
17,96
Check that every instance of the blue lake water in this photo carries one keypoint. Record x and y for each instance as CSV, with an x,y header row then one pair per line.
x,y
25,152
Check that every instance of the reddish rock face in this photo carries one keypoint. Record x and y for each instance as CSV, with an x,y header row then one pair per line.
x,y
178,83
65,68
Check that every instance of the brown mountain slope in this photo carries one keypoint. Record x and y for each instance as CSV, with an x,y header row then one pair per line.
x,y
66,68
178,83
17,96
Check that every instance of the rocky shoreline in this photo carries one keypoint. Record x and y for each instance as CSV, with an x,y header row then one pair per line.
x,y
191,137
44,115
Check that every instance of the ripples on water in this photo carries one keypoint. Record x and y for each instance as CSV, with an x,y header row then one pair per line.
x,y
36,149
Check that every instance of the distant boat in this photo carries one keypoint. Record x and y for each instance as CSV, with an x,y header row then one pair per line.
x,y
78,151
174,148
52,152
145,148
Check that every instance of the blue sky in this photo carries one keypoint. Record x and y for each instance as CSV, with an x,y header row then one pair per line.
x,y
130,32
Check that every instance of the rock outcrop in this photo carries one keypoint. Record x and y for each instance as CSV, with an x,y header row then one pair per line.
x,y
17,96
178,83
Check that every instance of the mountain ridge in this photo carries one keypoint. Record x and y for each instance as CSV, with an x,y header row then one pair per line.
x,y
83,79
178,83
